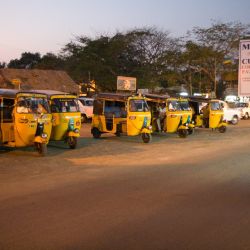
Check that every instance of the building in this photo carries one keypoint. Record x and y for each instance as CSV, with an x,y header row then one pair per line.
x,y
37,79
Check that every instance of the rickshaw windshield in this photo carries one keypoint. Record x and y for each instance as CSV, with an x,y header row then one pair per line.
x,y
184,105
174,105
32,105
64,105
138,105
216,106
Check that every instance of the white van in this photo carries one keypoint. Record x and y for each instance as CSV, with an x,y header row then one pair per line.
x,y
245,108
86,108
232,114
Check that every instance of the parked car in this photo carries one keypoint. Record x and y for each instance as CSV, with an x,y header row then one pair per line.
x,y
86,108
232,114
245,109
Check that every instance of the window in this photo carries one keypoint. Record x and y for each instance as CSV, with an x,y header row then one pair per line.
x,y
7,107
138,105
64,105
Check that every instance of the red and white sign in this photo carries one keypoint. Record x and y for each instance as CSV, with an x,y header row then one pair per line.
x,y
244,68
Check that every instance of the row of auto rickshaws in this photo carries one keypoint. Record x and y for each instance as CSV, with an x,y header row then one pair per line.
x,y
35,117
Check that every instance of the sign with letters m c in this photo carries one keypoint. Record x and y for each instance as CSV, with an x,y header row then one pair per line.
x,y
244,68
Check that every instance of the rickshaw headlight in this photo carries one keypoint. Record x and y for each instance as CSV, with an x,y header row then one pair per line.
x,y
44,136
76,130
150,127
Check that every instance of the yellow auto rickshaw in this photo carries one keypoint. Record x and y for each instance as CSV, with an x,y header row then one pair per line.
x,y
66,117
25,119
119,113
170,114
208,113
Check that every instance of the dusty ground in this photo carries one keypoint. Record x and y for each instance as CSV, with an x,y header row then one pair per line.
x,y
119,193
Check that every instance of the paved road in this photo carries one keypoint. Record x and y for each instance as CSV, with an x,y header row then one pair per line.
x,y
119,193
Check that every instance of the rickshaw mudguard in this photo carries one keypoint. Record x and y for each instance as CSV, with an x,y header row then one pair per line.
x,y
73,134
190,125
182,127
146,131
222,124
39,139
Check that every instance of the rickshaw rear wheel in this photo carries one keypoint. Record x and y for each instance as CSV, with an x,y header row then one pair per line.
x,y
96,133
222,129
183,133
72,142
146,137
41,148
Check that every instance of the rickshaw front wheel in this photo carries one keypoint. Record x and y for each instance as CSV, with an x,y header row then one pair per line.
x,y
222,129
41,148
72,142
146,137
190,131
183,133
96,133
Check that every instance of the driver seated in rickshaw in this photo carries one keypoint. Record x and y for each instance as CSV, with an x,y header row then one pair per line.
x,y
205,112
22,107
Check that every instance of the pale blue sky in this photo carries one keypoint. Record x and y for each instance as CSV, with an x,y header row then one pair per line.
x,y
46,25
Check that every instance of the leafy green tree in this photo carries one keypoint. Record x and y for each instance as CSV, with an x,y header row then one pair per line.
x,y
51,61
2,65
215,44
27,61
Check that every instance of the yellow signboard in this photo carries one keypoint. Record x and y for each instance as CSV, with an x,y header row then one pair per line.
x,y
16,81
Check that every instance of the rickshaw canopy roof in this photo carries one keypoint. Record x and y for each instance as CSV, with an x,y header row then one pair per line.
x,y
12,93
113,96
54,93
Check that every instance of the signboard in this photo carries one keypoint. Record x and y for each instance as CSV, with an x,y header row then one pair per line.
x,y
16,81
244,68
126,83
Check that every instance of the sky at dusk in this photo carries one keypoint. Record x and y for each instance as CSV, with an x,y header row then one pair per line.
x,y
47,25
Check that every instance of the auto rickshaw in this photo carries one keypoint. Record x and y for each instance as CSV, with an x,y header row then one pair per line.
x,y
177,114
208,113
66,117
25,119
119,113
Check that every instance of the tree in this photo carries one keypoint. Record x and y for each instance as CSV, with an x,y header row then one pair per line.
x,y
2,65
27,61
141,53
51,61
216,43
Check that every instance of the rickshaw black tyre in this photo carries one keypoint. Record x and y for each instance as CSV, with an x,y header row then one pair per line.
x,y
190,131
96,133
118,134
146,137
182,133
72,142
222,129
41,148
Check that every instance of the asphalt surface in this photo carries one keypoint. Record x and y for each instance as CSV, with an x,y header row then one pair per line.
x,y
119,193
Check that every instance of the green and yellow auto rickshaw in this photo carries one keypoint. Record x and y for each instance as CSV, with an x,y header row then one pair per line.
x,y
66,117
25,119
174,114
119,113
208,113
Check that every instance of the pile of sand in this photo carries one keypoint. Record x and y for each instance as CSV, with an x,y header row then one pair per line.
x,y
38,79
